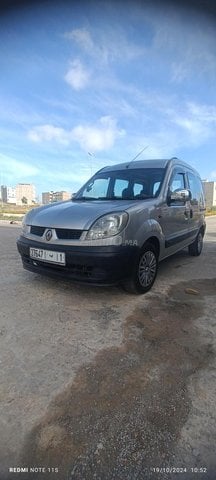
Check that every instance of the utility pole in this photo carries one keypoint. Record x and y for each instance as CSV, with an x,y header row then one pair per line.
x,y
2,203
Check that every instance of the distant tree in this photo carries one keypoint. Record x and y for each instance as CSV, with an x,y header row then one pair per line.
x,y
24,200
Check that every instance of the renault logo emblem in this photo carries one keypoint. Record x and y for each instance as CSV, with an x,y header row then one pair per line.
x,y
48,235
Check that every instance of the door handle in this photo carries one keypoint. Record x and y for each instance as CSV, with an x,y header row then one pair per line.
x,y
188,213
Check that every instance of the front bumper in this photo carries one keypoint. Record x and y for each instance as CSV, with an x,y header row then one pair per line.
x,y
105,265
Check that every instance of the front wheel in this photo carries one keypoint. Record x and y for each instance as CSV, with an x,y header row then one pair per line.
x,y
144,272
195,248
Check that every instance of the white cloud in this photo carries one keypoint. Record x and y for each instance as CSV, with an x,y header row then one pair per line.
x,y
190,123
69,175
77,76
10,168
179,124
108,46
100,136
198,121
179,72
48,133
82,37
187,38
206,113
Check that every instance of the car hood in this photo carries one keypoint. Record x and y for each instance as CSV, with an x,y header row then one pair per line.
x,y
74,215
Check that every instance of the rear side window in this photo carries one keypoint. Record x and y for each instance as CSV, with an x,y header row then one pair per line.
x,y
195,186
120,185
137,188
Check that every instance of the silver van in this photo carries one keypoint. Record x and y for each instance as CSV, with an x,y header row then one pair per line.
x,y
119,225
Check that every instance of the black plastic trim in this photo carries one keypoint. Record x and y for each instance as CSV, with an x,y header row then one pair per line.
x,y
105,265
179,238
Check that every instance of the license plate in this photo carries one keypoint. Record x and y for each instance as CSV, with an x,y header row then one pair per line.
x,y
48,256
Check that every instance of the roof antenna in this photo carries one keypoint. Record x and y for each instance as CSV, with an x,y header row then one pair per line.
x,y
91,154
133,159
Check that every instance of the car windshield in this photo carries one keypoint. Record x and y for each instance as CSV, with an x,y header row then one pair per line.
x,y
127,184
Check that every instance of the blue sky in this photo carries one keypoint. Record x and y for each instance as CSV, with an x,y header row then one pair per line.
x,y
88,84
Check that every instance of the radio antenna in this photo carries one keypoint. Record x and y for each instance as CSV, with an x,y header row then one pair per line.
x,y
138,154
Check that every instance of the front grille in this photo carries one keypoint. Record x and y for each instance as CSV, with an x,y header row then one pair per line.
x,y
39,231
65,234
62,233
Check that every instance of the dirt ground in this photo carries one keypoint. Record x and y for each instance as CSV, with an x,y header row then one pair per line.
x,y
99,384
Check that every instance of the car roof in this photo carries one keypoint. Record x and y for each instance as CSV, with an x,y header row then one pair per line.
x,y
162,163
151,163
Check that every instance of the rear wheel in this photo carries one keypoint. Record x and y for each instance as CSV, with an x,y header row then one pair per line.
x,y
145,271
196,247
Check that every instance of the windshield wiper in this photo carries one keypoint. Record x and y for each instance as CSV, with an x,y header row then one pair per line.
x,y
83,199
86,199
144,197
108,198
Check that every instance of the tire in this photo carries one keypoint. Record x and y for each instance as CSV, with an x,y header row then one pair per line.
x,y
195,248
145,271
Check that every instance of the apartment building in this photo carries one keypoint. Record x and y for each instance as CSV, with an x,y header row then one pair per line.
x,y
210,193
8,194
52,197
25,194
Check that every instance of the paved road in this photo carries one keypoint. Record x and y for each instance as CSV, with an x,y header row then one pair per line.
x,y
103,385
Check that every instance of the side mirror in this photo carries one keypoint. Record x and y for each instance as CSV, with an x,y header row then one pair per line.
x,y
179,196
89,188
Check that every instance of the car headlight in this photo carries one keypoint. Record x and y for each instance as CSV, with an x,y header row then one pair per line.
x,y
107,226
25,227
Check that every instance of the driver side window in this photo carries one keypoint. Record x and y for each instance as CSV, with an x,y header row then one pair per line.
x,y
177,182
